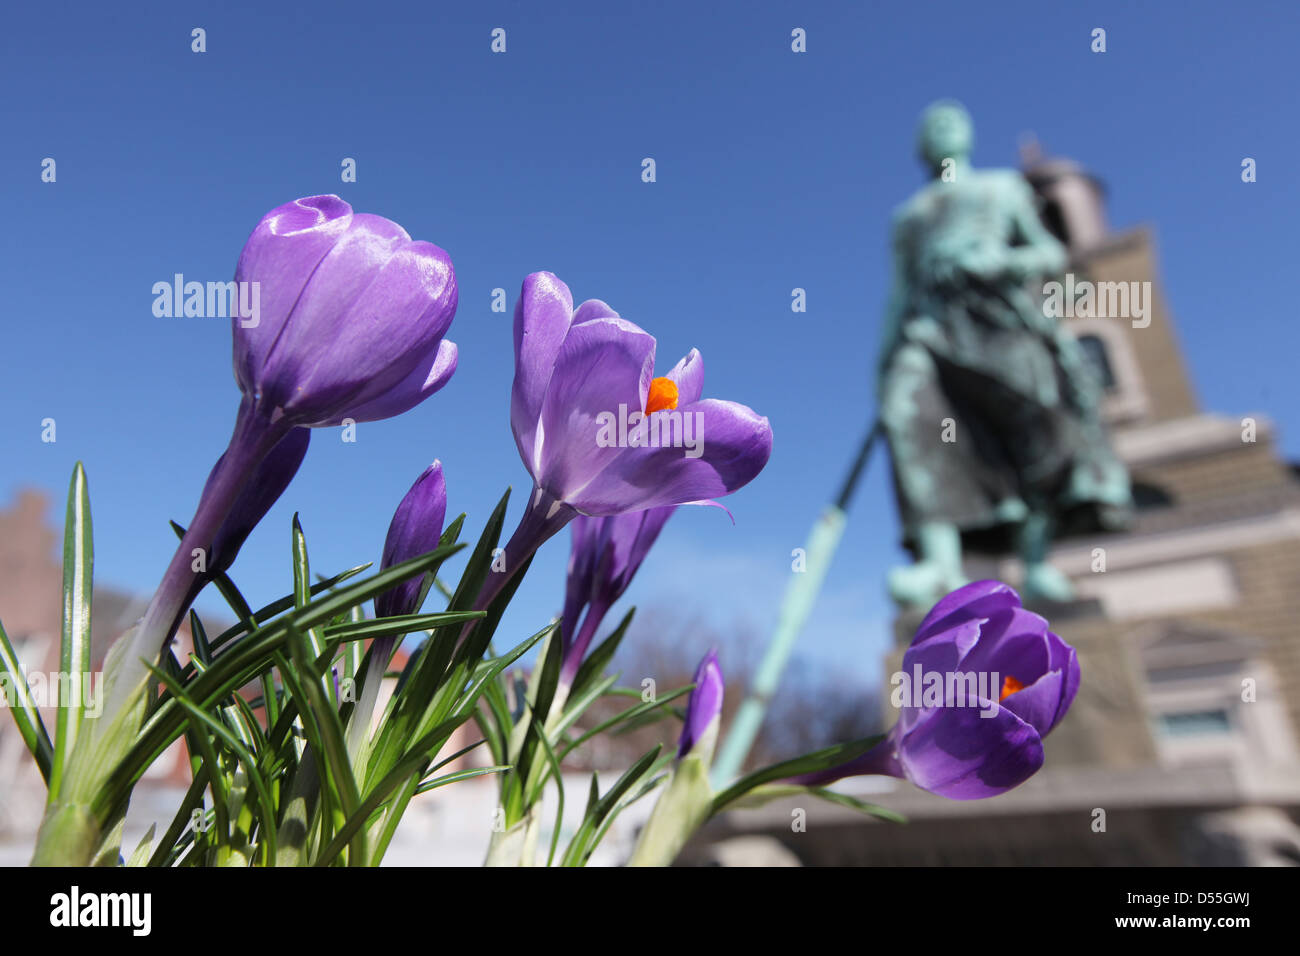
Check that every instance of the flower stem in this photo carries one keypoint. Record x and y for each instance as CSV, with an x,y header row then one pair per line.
x,y
69,835
70,831
577,650
543,518
881,759
253,438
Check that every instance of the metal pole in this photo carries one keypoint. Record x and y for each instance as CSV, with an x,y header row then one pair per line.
x,y
800,597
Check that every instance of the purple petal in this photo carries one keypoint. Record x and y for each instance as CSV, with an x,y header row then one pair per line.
x,y
593,309
974,600
1014,643
283,251
958,754
1065,659
374,307
944,650
937,656
1037,703
602,365
424,380
736,444
688,375
542,318
631,542
603,558
583,556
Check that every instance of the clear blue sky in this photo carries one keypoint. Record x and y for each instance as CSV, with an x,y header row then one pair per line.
x,y
775,170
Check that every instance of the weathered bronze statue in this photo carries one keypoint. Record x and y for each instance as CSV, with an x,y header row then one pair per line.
x,y
989,406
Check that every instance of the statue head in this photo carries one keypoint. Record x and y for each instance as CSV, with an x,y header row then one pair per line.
x,y
945,132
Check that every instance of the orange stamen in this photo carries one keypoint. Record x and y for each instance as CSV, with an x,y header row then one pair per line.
x,y
663,395
1009,686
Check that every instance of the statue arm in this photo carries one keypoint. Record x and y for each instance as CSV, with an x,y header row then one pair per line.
x,y
1036,252
1042,254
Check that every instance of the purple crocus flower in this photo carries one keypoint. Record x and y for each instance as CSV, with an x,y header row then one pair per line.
x,y
349,323
703,709
605,554
600,434
579,372
986,747
415,529
353,314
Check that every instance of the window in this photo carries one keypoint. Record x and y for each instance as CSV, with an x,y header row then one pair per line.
x,y
1146,495
1094,350
1104,346
1194,723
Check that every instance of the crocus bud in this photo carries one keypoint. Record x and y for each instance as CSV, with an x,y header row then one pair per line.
x,y
703,711
986,742
415,529
605,555
687,801
351,315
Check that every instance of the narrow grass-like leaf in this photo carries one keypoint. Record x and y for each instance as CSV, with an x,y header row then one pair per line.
x,y
216,779
25,713
540,708
656,780
853,803
300,686
282,604
74,653
242,662
594,666
184,815
628,714
410,764
435,782
403,624
808,763
483,677
456,756
335,758
223,583
581,846
202,650
576,707
496,723
302,597
554,765
141,854
265,807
